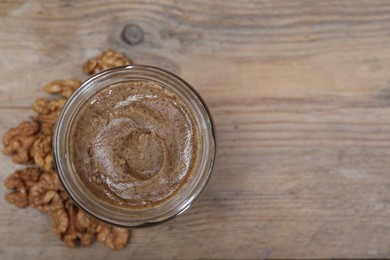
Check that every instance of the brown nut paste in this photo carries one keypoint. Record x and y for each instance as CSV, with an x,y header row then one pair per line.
x,y
135,145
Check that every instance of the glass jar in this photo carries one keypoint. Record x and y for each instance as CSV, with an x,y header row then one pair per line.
x,y
134,217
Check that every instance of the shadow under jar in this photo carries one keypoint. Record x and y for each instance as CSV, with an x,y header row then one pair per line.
x,y
134,146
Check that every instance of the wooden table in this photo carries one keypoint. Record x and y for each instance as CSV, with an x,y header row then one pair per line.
x,y
300,94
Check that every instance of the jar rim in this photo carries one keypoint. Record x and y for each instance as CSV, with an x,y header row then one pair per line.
x,y
115,215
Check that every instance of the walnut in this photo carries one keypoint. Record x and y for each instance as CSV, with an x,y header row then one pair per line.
x,y
44,195
112,237
70,235
47,128
41,106
87,239
106,60
81,229
46,107
48,163
84,222
61,221
21,181
18,141
73,238
64,88
48,111
48,120
41,152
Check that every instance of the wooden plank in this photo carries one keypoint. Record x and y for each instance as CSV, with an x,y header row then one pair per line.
x,y
300,94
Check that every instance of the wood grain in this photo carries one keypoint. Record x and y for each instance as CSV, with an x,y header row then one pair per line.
x,y
300,93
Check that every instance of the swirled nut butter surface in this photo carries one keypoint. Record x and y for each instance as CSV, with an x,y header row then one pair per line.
x,y
135,145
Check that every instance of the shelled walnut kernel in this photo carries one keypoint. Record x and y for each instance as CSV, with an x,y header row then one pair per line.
x,y
106,60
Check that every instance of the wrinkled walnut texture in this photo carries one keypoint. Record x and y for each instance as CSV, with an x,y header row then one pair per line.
x,y
64,88
21,182
106,60
41,152
81,229
18,141
114,238
44,195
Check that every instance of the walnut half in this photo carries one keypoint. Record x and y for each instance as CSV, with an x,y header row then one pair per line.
x,y
41,152
113,237
18,141
21,182
64,88
106,60
45,194
73,226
